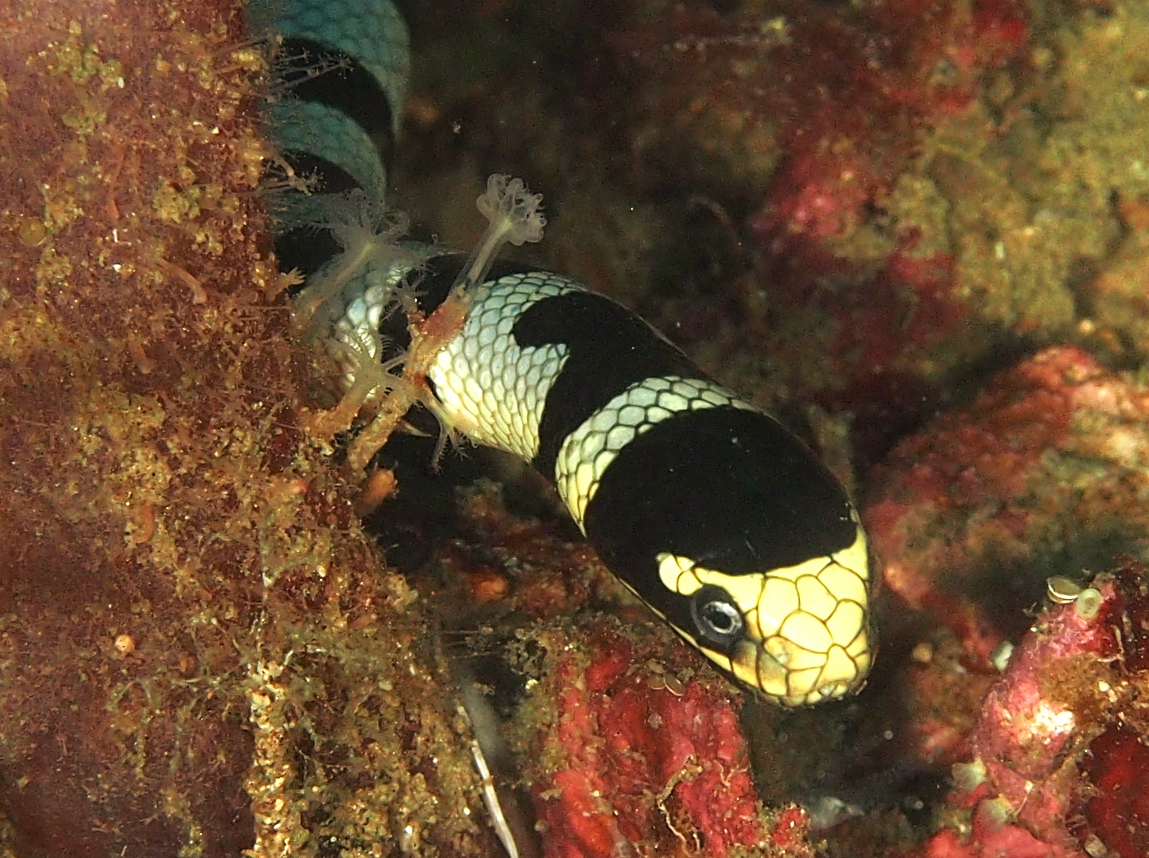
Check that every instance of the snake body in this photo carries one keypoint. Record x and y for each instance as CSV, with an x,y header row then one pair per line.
x,y
722,521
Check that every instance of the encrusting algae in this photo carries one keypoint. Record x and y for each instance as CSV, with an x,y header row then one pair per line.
x,y
200,652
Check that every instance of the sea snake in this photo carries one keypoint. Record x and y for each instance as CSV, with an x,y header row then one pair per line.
x,y
719,518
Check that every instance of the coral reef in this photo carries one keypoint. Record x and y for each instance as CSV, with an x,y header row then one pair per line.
x,y
1042,473
862,205
200,651
824,126
642,756
1043,779
903,205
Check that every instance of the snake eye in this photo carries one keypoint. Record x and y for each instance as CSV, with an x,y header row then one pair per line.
x,y
717,616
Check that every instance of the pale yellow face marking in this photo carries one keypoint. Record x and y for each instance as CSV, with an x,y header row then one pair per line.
x,y
748,666
677,574
806,685
844,584
838,663
815,598
845,622
779,600
807,631
807,637
794,657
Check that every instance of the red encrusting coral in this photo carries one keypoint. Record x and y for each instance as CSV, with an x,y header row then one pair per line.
x,y
1055,768
1036,709
790,832
1048,462
639,758
1010,480
1118,814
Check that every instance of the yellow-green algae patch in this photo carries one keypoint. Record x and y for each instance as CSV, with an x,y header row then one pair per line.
x,y
200,652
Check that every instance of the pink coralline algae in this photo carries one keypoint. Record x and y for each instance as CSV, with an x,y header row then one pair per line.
x,y
1052,456
643,761
1057,767
1046,465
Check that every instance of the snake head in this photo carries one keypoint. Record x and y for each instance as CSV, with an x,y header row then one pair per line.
x,y
799,635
